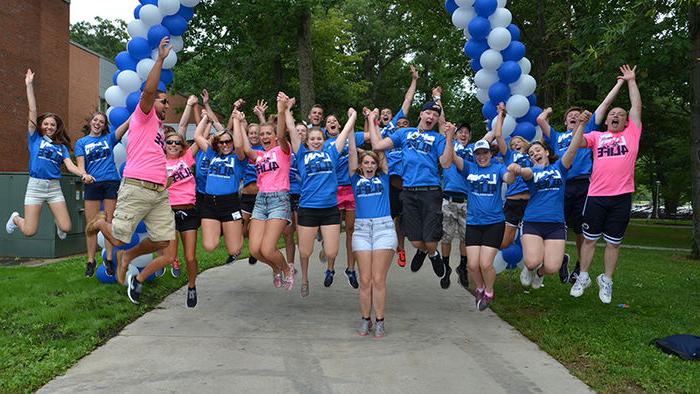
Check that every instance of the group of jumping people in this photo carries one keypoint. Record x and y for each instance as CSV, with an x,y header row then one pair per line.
x,y
389,181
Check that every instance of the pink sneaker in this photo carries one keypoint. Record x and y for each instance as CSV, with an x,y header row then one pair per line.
x,y
278,280
289,277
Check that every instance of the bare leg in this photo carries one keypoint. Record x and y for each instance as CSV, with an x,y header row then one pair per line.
x,y
189,246
349,229
269,251
533,251
612,252
508,235
30,222
289,244
92,207
553,255
473,266
148,246
587,252
61,216
110,206
381,260
233,236
211,232
364,262
431,247
486,257
446,248
307,236
331,239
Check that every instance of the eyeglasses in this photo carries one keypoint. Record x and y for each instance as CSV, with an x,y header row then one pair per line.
x,y
163,100
225,142
173,142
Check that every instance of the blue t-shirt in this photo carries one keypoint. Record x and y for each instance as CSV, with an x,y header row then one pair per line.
x,y
224,173
519,186
371,196
547,188
249,174
201,171
452,180
394,158
294,177
341,169
45,157
421,153
583,161
485,204
99,160
319,185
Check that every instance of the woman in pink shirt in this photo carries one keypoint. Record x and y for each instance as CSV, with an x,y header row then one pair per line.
x,y
272,212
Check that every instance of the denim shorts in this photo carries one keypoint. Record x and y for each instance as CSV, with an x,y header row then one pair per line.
x,y
43,190
273,205
374,234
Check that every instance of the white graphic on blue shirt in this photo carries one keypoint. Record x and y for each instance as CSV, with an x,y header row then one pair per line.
x,y
420,142
317,163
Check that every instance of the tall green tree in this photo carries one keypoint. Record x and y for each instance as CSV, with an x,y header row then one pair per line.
x,y
103,36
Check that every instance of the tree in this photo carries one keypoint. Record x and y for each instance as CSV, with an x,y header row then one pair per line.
x,y
694,35
105,37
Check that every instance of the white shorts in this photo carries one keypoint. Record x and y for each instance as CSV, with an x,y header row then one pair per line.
x,y
374,234
43,190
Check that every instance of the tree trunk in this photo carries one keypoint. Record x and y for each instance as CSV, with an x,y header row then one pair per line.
x,y
307,95
694,32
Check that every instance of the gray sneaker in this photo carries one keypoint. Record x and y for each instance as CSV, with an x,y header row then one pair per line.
x,y
605,292
485,302
379,329
365,326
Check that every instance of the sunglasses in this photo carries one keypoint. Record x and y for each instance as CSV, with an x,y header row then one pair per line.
x,y
163,100
173,142
225,142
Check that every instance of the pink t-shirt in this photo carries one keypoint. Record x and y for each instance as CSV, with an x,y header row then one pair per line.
x,y
272,167
145,157
181,191
614,155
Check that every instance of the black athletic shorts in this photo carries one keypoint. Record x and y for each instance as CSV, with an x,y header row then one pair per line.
x,y
421,219
186,219
395,201
316,217
248,203
294,201
545,230
98,191
607,216
574,199
514,210
224,208
490,235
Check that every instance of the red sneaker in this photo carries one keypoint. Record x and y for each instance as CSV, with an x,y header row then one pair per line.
x,y
402,258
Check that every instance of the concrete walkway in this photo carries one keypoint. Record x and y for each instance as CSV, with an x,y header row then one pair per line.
x,y
247,336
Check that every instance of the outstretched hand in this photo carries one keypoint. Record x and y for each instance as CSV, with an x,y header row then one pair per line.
x,y
437,91
237,115
501,109
192,100
205,96
414,73
352,112
164,48
628,73
239,103
260,108
29,77
584,117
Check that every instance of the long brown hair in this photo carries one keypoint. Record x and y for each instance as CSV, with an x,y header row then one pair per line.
x,y
60,136
86,127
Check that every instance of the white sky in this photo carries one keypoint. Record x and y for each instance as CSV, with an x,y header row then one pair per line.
x,y
87,10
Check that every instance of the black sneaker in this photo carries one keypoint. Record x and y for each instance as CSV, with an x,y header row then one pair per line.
x,y
462,277
418,260
252,260
109,267
438,265
574,274
352,278
445,281
90,269
328,281
564,269
134,289
231,259
191,297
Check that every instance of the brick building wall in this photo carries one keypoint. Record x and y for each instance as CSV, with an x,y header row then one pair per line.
x,y
84,88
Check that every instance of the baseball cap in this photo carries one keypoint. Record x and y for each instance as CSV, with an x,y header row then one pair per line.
x,y
482,144
432,105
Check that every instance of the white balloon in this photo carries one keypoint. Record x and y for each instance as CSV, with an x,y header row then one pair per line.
x,y
177,43
501,18
462,16
168,7
115,96
491,59
189,3
170,60
524,86
119,154
129,81
509,124
101,240
502,3
150,15
143,236
137,28
517,106
499,264
482,95
133,271
467,35
142,261
464,3
485,78
525,65
499,38
125,139
143,68
109,111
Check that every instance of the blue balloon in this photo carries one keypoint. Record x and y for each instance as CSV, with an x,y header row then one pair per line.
x,y
132,101
476,65
451,6
485,8
489,110
479,27
186,12
138,48
514,32
166,76
114,77
499,92
161,86
509,72
176,24
532,99
512,255
515,51
156,34
112,129
525,130
124,61
144,2
474,48
101,275
141,228
137,11
119,115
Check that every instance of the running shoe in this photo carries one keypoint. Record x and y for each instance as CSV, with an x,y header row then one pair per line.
x,y
580,285
289,276
418,260
90,269
304,290
252,260
605,291
133,290
322,256
61,234
478,296
231,259
445,281
462,276
365,327
485,302
109,267
277,280
352,278
191,297
328,281
537,280
175,268
379,329
575,273
402,258
10,226
564,269
438,265
525,277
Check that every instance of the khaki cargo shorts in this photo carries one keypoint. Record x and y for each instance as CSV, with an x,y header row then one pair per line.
x,y
454,220
135,203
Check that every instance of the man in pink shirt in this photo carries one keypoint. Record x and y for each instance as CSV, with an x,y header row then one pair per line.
x,y
609,203
143,194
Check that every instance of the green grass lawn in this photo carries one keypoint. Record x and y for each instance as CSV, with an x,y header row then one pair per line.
x,y
652,234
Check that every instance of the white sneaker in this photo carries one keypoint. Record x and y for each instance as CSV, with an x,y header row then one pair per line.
x,y
61,234
580,285
536,280
525,277
10,226
605,292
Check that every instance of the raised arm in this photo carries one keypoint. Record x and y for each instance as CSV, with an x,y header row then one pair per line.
x,y
543,122
352,147
449,156
185,118
31,99
379,143
411,92
289,122
121,130
210,113
349,127
240,139
437,97
200,138
630,75
498,129
602,109
150,89
237,106
514,169
259,111
202,132
282,130
576,139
